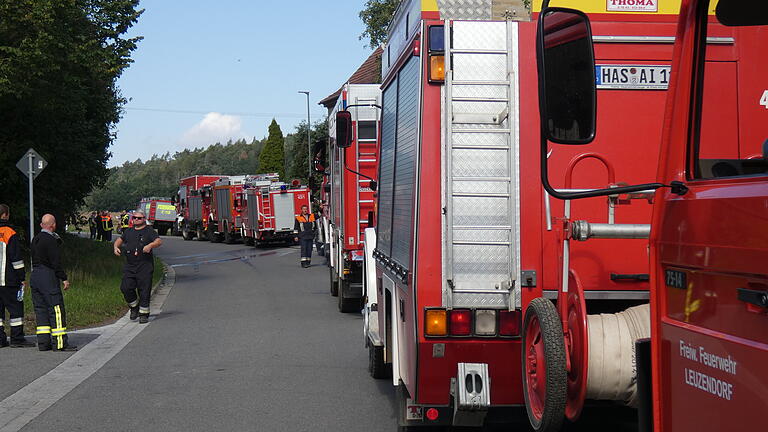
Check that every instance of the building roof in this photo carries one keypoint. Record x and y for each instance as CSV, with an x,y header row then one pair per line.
x,y
368,73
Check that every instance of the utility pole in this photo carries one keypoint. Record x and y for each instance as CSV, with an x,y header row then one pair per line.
x,y
31,164
309,142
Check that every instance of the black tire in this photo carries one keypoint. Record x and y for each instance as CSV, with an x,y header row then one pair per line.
x,y
348,305
212,236
376,365
228,237
249,241
334,282
163,231
543,313
202,235
186,234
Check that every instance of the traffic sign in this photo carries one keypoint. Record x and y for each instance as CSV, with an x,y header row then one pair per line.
x,y
38,163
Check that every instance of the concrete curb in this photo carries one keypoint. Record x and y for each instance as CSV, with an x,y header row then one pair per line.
x,y
17,410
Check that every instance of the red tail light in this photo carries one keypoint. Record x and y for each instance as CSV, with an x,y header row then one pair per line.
x,y
509,323
461,322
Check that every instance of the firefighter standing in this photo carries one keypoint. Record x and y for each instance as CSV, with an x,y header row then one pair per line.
x,y
12,276
93,224
124,219
46,291
138,242
304,229
107,226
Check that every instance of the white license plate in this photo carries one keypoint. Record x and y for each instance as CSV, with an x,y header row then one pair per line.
x,y
636,77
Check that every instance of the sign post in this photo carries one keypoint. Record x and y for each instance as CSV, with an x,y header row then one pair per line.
x,y
31,164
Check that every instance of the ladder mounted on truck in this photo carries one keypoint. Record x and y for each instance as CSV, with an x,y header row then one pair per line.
x,y
481,177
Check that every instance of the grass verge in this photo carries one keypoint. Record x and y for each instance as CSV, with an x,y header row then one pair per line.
x,y
94,273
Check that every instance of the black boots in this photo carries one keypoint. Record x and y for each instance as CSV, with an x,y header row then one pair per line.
x,y
134,313
143,319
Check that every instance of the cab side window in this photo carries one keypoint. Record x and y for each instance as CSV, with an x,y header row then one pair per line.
x,y
732,139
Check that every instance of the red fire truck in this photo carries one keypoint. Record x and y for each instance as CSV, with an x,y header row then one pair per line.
x,y
225,222
160,213
192,203
352,182
709,236
269,209
459,195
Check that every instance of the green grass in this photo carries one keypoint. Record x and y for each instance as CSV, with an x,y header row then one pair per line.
x,y
94,296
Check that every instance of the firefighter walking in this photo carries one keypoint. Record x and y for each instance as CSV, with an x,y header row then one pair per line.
x,y
305,229
138,242
107,226
47,274
12,275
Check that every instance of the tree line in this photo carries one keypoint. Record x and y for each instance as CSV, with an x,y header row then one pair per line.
x,y
159,175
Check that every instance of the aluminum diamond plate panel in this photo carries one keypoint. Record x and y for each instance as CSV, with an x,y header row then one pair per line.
x,y
479,67
477,300
480,139
480,266
469,235
480,91
492,187
480,163
484,9
480,211
480,35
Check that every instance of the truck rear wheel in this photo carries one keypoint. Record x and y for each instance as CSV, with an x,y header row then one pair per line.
x,y
376,365
544,367
201,234
185,232
346,304
228,237
212,236
334,282
249,241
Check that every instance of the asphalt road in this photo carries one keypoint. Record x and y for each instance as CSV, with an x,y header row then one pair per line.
x,y
247,340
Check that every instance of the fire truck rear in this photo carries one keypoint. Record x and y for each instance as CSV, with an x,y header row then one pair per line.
x,y
189,205
352,187
270,209
160,213
225,222
467,241
709,242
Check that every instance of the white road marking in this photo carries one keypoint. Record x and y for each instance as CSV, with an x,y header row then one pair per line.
x,y
23,406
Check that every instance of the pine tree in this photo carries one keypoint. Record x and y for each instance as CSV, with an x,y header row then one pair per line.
x,y
272,158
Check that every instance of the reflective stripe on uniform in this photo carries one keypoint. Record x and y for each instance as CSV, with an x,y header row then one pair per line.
x,y
15,322
144,310
43,329
59,328
1,322
59,331
134,303
18,264
2,262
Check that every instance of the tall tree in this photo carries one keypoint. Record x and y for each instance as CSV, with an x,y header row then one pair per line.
x,y
59,62
272,157
297,155
376,16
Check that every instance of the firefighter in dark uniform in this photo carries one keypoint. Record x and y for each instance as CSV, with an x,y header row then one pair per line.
x,y
124,218
138,242
107,226
12,275
46,291
93,224
305,229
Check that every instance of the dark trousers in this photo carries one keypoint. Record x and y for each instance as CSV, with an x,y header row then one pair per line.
x,y
49,309
15,310
93,233
306,249
108,236
137,286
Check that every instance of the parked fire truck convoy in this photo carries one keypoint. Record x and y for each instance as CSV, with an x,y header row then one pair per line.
x,y
497,264
470,248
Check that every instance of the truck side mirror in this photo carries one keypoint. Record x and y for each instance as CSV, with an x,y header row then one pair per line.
x,y
566,68
343,129
373,185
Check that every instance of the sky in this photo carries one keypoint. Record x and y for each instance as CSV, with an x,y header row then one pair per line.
x,y
209,71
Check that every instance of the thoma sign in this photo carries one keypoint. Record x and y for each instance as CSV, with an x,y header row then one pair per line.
x,y
632,5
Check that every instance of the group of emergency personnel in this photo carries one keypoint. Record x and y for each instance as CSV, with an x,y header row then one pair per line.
x,y
48,277
102,225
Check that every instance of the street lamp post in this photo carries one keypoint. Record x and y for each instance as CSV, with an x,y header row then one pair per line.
x,y
309,142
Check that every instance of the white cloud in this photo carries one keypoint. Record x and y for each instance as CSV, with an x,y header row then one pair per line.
x,y
214,127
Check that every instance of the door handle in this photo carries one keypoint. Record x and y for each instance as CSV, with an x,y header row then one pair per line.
x,y
757,298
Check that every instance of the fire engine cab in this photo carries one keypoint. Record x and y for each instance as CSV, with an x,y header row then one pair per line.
x,y
703,368
192,203
269,208
350,209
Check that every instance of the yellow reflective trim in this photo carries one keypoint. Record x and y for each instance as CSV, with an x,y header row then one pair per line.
x,y
429,5
664,7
